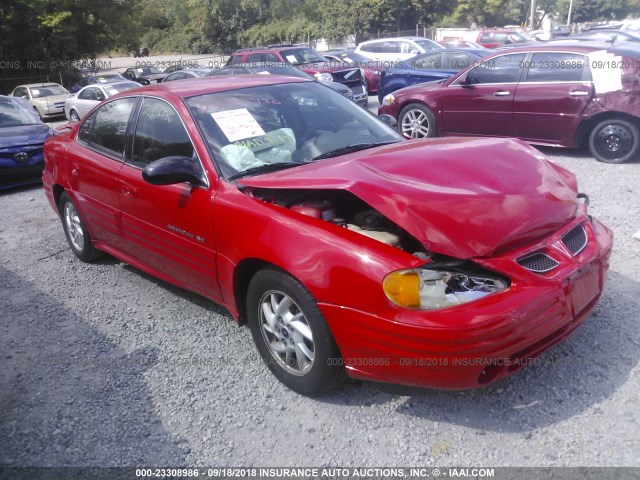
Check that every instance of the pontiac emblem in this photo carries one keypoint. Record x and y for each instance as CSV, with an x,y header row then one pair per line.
x,y
21,156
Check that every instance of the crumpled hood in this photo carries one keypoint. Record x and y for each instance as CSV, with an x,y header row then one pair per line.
x,y
459,197
24,135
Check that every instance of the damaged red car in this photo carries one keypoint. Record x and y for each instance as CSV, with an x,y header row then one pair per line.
x,y
348,249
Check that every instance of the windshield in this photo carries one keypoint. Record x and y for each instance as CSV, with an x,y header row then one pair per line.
x,y
120,87
288,124
13,115
148,71
302,55
47,91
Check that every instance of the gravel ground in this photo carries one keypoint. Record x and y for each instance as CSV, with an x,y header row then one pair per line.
x,y
102,365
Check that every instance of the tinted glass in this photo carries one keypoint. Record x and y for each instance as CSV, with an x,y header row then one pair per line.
x,y
159,133
428,62
86,94
110,126
302,55
458,60
558,67
504,69
84,133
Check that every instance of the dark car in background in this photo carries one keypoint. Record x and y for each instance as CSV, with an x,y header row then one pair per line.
x,y
562,95
309,61
106,78
349,58
495,38
144,75
436,65
276,68
22,136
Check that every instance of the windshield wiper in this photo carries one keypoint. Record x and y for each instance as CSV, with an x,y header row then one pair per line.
x,y
269,167
351,148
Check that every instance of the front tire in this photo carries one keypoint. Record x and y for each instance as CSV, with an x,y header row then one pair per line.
x,y
417,121
615,141
73,116
291,334
76,231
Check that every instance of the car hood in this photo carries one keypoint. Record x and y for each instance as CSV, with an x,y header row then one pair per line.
x,y
24,135
460,197
421,87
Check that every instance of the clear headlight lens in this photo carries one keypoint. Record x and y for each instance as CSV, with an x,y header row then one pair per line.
x,y
323,77
426,289
388,99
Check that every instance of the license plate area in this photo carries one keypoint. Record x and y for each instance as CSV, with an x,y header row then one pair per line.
x,y
584,287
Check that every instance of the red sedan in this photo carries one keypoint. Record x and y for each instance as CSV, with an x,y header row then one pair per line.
x,y
346,248
555,94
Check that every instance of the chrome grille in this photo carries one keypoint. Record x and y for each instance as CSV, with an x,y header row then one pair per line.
x,y
575,240
538,262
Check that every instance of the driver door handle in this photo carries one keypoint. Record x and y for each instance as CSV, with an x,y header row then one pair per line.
x,y
129,191
578,93
502,93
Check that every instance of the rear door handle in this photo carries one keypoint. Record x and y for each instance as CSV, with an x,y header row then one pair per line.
x,y
502,93
578,93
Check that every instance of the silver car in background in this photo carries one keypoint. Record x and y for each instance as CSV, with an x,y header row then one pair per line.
x,y
79,104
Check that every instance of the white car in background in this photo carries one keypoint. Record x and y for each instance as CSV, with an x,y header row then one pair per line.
x,y
396,48
79,104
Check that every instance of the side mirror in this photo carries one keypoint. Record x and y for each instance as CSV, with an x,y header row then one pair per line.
x,y
100,97
388,120
172,170
464,81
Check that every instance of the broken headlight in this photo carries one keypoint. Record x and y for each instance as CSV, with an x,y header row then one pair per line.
x,y
428,289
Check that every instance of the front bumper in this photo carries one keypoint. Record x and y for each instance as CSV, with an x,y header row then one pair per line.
x,y
475,344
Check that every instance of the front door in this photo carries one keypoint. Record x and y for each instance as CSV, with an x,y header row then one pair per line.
x,y
483,106
168,227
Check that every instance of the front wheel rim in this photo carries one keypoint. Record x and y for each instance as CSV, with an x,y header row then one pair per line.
x,y
74,116
286,332
614,141
415,124
74,226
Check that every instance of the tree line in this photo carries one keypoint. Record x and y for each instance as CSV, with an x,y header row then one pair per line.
x,y
39,33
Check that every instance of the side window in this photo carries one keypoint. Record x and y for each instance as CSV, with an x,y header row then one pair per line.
x,y
405,47
504,69
159,133
391,47
234,59
370,47
457,60
501,38
429,62
110,126
558,67
87,94
85,129
485,37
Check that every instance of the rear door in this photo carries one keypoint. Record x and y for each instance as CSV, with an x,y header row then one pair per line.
x,y
94,164
485,105
553,93
168,227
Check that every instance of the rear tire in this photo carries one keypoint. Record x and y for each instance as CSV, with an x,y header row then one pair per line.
x,y
291,334
615,141
76,231
417,121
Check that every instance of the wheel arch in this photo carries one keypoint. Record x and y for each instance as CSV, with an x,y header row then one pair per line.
x,y
242,276
586,126
57,190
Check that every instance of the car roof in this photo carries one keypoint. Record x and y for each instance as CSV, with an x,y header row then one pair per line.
x,y
394,38
31,85
564,45
192,87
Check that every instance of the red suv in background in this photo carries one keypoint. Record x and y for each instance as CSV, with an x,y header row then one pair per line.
x,y
309,61
561,95
497,38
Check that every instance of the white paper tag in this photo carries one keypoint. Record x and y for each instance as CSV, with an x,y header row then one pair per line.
x,y
292,59
606,71
237,124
